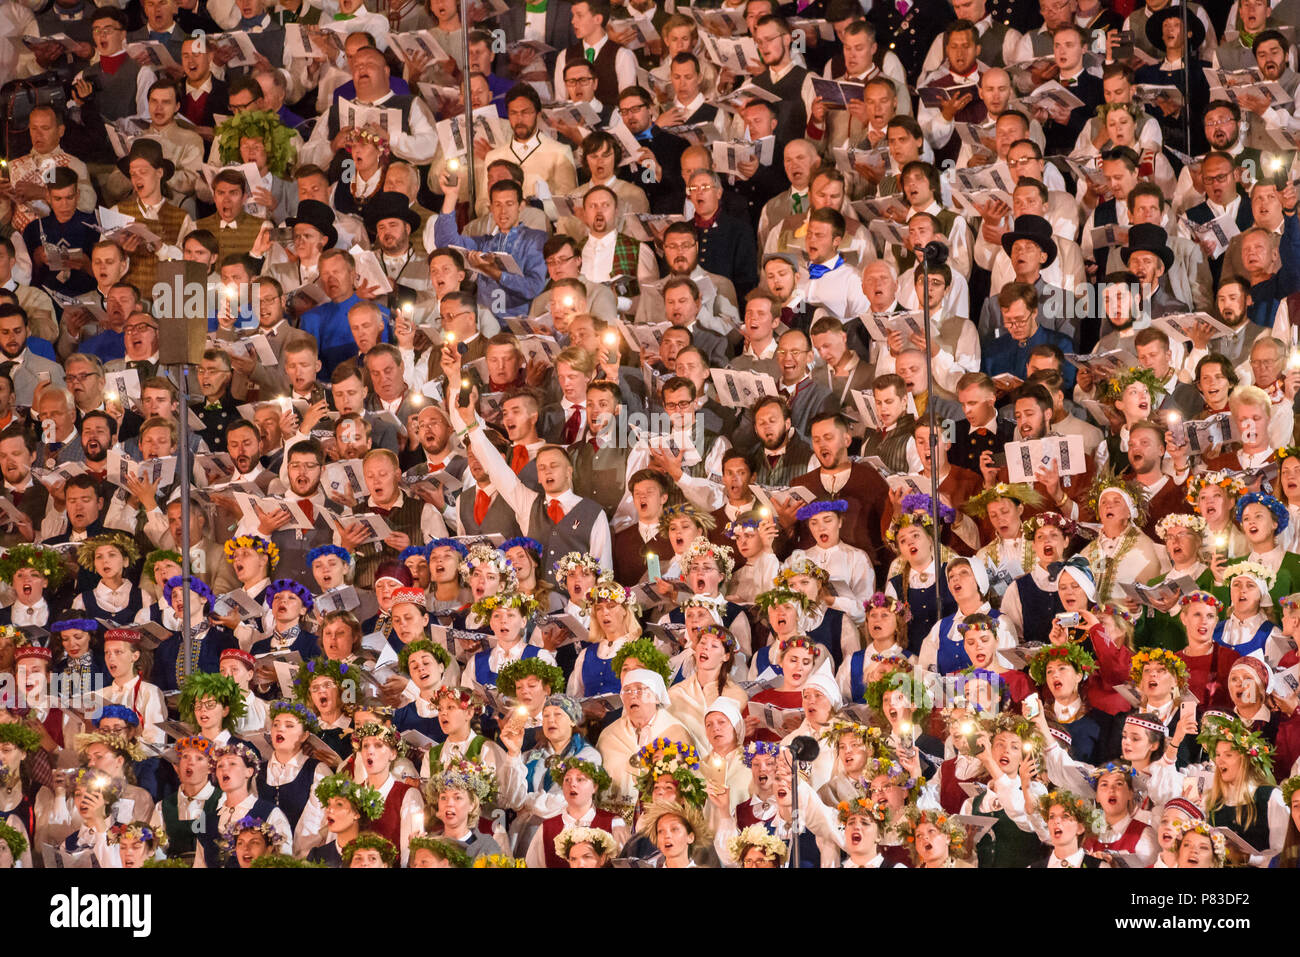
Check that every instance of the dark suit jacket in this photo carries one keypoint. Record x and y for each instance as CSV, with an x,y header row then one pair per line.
x,y
1060,137
559,27
966,448
1201,214
727,248
666,193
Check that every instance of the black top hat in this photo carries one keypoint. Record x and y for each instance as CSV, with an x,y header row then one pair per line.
x,y
1037,230
1156,25
390,205
151,152
1148,237
313,212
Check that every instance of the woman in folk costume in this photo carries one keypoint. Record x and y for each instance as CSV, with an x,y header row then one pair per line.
x,y
1000,510
1290,854
833,621
527,682
755,846
681,524
1287,488
1008,750
377,747
1249,628
885,634
754,536
207,640
863,821
240,666
252,558
713,653
1214,496
914,573
347,807
1199,845
1176,812
1264,521
980,642
1123,832
900,697
457,707
934,839
897,788
426,665
1243,796
820,699
850,568
1059,673
798,657
724,730
1248,682
585,847
247,839
968,583
1033,596
645,718
128,688
508,616
136,843
213,704
787,613
81,662
56,726
1121,552
160,565
289,602
1063,820
612,617
319,684
575,576
17,796
677,831
113,752
486,572
35,575
1184,538
290,775
1078,623
558,739
581,785
853,745
457,795
114,597
95,796
525,556
706,568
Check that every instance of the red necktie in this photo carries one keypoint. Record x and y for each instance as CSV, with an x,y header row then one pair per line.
x,y
482,500
984,432
772,460
555,511
571,425
380,511
307,509
518,459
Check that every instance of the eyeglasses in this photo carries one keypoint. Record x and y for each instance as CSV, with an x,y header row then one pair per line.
x,y
1023,161
106,31
679,406
1221,178
560,260
627,110
1217,123
79,376
679,247
790,353
138,327
583,80
700,189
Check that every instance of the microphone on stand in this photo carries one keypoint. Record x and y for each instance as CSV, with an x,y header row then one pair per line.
x,y
802,750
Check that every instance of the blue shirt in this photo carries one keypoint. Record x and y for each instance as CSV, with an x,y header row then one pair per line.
x,y
106,346
510,295
41,347
1003,354
329,324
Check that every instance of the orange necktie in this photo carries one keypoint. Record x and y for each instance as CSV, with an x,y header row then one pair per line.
x,y
554,511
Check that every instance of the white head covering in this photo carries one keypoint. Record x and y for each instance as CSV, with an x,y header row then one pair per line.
x,y
652,680
978,569
729,707
1082,580
1265,599
1128,499
824,681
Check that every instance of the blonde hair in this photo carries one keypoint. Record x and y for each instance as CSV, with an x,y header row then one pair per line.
x,y
1250,395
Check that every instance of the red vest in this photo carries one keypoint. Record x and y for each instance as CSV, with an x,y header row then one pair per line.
x,y
53,725
389,824
1127,843
951,796
552,826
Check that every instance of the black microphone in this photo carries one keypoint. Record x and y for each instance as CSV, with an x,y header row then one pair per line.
x,y
934,253
804,748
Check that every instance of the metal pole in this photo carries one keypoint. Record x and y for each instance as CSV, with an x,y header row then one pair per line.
x,y
934,435
469,107
1187,82
183,464
794,811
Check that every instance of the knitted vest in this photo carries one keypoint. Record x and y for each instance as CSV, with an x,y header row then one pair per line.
x,y
991,44
572,534
603,65
599,475
406,519
232,241
389,824
552,826
144,265
115,94
500,517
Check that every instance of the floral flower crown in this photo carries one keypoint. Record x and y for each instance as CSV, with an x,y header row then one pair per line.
x,y
1074,654
449,851
1020,492
1086,812
459,547
912,819
1184,827
799,567
572,560
257,544
366,799
116,741
137,831
559,767
1116,611
1193,523
662,750
782,594
123,543
877,811
508,677
94,779
1114,387
756,835
1205,598
47,561
898,775
1231,484
609,591
526,605
1281,516
1289,787
240,750
890,603
319,667
1162,656
263,125
1258,752
799,641
754,748
1254,569
1135,494
300,711
744,520
1008,722
368,840
294,588
226,691
1129,772
643,650
21,736
466,699
373,729
601,841
701,547
377,140
845,728
249,823
439,652
469,776
703,520
902,679
917,509
500,861
977,622
717,631
839,506
481,554
1055,520
691,789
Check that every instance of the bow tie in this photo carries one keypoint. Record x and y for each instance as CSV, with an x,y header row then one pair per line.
x,y
982,432
645,136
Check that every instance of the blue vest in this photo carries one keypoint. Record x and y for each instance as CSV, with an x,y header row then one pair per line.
x,y
290,798
857,687
1037,608
763,660
598,674
1256,643
127,615
810,854
827,634
952,656
483,672
921,603
406,718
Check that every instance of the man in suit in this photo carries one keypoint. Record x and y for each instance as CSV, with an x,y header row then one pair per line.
x,y
726,244
1069,43
980,430
754,181
388,389
688,105
807,397
204,95
26,369
660,156
551,25
681,298
1224,197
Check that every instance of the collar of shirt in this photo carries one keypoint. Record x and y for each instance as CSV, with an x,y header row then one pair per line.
x,y
119,595
924,577
768,351
595,47
648,532
777,77
1073,76
688,109
251,476
285,769
567,499
1229,209
1072,860
151,212
193,804
990,424
194,92
526,146
239,810
27,614
1067,713
595,242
